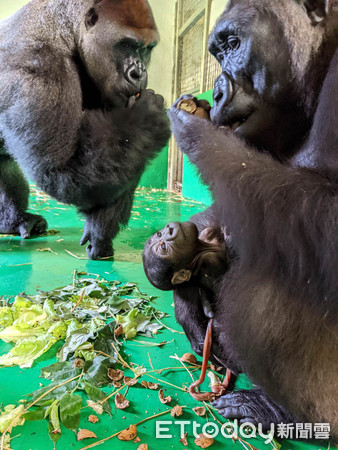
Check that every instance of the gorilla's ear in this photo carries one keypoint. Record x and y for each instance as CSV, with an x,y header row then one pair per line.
x,y
181,276
317,9
91,18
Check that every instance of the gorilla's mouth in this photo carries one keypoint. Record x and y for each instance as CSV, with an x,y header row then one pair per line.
x,y
235,123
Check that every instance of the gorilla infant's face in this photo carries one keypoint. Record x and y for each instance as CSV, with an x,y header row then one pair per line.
x,y
253,96
176,242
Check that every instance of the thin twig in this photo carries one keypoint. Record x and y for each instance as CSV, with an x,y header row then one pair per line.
x,y
168,328
166,382
116,434
79,301
150,361
75,256
122,361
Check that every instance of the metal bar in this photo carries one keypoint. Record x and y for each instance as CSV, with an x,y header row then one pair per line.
x,y
205,45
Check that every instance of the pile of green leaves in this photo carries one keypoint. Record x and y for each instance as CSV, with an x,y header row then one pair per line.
x,y
84,316
78,314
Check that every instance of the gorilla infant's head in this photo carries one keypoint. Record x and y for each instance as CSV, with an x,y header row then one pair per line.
x,y
265,50
177,254
116,40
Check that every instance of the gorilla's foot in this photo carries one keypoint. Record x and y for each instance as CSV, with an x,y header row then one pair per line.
x,y
26,226
97,248
252,406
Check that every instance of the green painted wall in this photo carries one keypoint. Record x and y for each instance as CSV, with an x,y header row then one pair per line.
x,y
156,174
192,186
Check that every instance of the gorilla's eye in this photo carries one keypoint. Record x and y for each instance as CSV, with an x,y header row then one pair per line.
x,y
164,246
159,234
129,44
233,43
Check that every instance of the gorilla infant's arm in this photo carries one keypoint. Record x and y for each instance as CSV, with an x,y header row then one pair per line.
x,y
69,75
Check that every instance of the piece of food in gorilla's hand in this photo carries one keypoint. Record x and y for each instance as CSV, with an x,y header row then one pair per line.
x,y
217,389
199,108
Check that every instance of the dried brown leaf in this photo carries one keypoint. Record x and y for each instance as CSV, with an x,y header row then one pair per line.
x,y
85,434
78,363
200,411
176,411
130,381
95,406
204,441
118,331
142,447
117,384
93,419
149,385
189,358
121,402
137,440
115,374
128,434
162,398
184,439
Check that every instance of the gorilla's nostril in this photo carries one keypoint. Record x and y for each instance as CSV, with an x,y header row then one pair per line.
x,y
136,75
218,97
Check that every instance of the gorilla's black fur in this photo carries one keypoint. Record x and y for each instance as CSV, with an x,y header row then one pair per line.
x,y
69,73
272,168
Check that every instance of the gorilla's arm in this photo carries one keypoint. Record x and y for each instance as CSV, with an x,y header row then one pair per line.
x,y
64,148
279,218
90,158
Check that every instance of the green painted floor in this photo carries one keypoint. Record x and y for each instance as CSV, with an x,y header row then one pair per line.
x,y
28,266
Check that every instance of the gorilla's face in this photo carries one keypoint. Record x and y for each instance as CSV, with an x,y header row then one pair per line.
x,y
115,46
253,95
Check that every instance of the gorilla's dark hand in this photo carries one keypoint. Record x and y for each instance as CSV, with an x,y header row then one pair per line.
x,y
98,247
253,406
148,112
188,129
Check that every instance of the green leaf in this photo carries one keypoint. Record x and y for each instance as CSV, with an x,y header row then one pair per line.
x,y
58,393
97,374
37,414
60,371
9,415
70,409
27,350
103,340
55,436
96,395
6,317
74,340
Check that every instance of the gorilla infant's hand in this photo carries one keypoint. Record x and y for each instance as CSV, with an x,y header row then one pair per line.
x,y
188,128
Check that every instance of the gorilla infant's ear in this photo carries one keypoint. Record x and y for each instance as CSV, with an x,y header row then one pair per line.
x,y
317,9
91,18
181,276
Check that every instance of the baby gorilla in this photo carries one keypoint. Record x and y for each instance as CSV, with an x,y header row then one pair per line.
x,y
190,263
179,254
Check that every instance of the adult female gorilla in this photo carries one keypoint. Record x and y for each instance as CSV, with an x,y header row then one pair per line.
x,y
272,168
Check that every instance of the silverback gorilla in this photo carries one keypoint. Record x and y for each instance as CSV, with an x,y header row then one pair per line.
x,y
270,158
74,112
